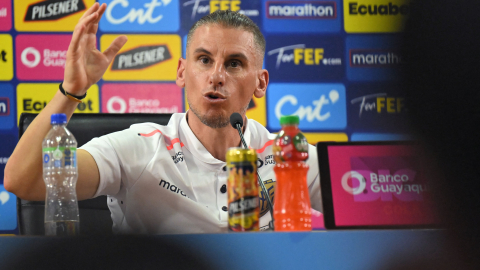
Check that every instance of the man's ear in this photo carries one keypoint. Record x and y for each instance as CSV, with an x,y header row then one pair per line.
x,y
181,72
262,83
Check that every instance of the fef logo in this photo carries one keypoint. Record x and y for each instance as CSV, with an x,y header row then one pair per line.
x,y
49,15
141,57
141,16
379,103
374,178
41,57
319,106
301,16
141,98
193,10
33,97
144,58
296,62
375,58
301,10
7,109
6,57
5,15
376,16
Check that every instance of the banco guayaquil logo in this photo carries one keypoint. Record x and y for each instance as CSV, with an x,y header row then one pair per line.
x,y
141,16
319,106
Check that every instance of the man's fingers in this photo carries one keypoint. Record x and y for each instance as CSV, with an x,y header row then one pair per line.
x,y
113,49
80,30
100,12
91,10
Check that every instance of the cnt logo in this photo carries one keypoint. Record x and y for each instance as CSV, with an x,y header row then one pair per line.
x,y
141,57
4,106
301,55
31,57
203,7
301,10
379,103
53,10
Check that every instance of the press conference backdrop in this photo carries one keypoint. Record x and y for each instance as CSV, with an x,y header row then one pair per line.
x,y
333,63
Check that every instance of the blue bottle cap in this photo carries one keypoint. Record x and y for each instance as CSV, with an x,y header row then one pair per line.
x,y
58,118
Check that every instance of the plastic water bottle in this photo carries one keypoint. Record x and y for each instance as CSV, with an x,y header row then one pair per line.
x,y
292,211
59,149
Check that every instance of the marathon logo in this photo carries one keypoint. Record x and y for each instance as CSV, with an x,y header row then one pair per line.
x,y
141,57
243,205
53,10
172,188
391,9
296,10
374,58
4,106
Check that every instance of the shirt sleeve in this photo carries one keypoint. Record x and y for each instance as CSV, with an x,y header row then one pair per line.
x,y
108,165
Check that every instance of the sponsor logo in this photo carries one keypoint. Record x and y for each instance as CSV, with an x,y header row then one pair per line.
x,y
6,57
391,9
41,57
270,187
172,188
141,57
297,62
379,103
140,60
4,106
383,183
5,15
8,210
313,138
141,98
33,97
374,58
49,15
140,16
201,8
243,205
319,106
178,157
296,10
301,55
370,16
268,161
53,10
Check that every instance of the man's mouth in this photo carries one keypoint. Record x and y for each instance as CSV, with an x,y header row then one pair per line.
x,y
214,96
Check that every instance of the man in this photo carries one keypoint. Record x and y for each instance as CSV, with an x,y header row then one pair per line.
x,y
164,179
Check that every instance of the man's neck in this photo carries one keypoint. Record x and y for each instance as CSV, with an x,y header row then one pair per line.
x,y
215,140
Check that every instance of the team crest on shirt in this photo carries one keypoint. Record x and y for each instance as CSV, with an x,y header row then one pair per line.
x,y
270,186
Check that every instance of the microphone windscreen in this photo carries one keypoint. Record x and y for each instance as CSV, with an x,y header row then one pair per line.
x,y
235,119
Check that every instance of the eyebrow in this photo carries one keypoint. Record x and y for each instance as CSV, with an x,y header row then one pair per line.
x,y
202,50
235,55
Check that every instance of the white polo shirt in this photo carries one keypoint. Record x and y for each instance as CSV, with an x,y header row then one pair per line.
x,y
161,179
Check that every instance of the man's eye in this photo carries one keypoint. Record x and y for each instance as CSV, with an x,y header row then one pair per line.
x,y
204,60
234,64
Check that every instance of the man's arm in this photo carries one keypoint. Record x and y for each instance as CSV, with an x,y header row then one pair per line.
x,y
85,65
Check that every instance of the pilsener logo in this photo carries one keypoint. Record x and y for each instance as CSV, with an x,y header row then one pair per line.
x,y
140,16
53,9
49,15
301,10
144,58
141,57
375,58
376,16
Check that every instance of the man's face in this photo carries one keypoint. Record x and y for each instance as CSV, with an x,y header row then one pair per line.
x,y
221,73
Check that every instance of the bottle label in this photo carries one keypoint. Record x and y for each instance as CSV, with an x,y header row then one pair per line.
x,y
60,157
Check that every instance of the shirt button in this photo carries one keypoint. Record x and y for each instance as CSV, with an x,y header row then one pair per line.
x,y
224,168
224,208
223,189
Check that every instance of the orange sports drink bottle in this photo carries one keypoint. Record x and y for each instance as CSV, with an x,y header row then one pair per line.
x,y
292,210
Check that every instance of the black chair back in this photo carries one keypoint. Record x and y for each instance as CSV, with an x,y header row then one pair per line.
x,y
94,213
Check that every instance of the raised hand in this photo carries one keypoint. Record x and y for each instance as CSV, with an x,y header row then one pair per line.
x,y
85,64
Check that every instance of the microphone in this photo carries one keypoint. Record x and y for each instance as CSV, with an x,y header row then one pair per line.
x,y
236,120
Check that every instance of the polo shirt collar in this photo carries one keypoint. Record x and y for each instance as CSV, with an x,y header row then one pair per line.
x,y
197,149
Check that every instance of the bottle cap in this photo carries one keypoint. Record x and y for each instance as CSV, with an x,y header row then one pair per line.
x,y
58,118
289,120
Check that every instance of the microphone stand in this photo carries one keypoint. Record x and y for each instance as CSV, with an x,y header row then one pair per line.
x,y
264,189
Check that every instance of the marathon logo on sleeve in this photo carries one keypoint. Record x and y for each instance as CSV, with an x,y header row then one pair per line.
x,y
141,57
53,9
301,10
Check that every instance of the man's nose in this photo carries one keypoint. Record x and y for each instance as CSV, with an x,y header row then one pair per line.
x,y
217,77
